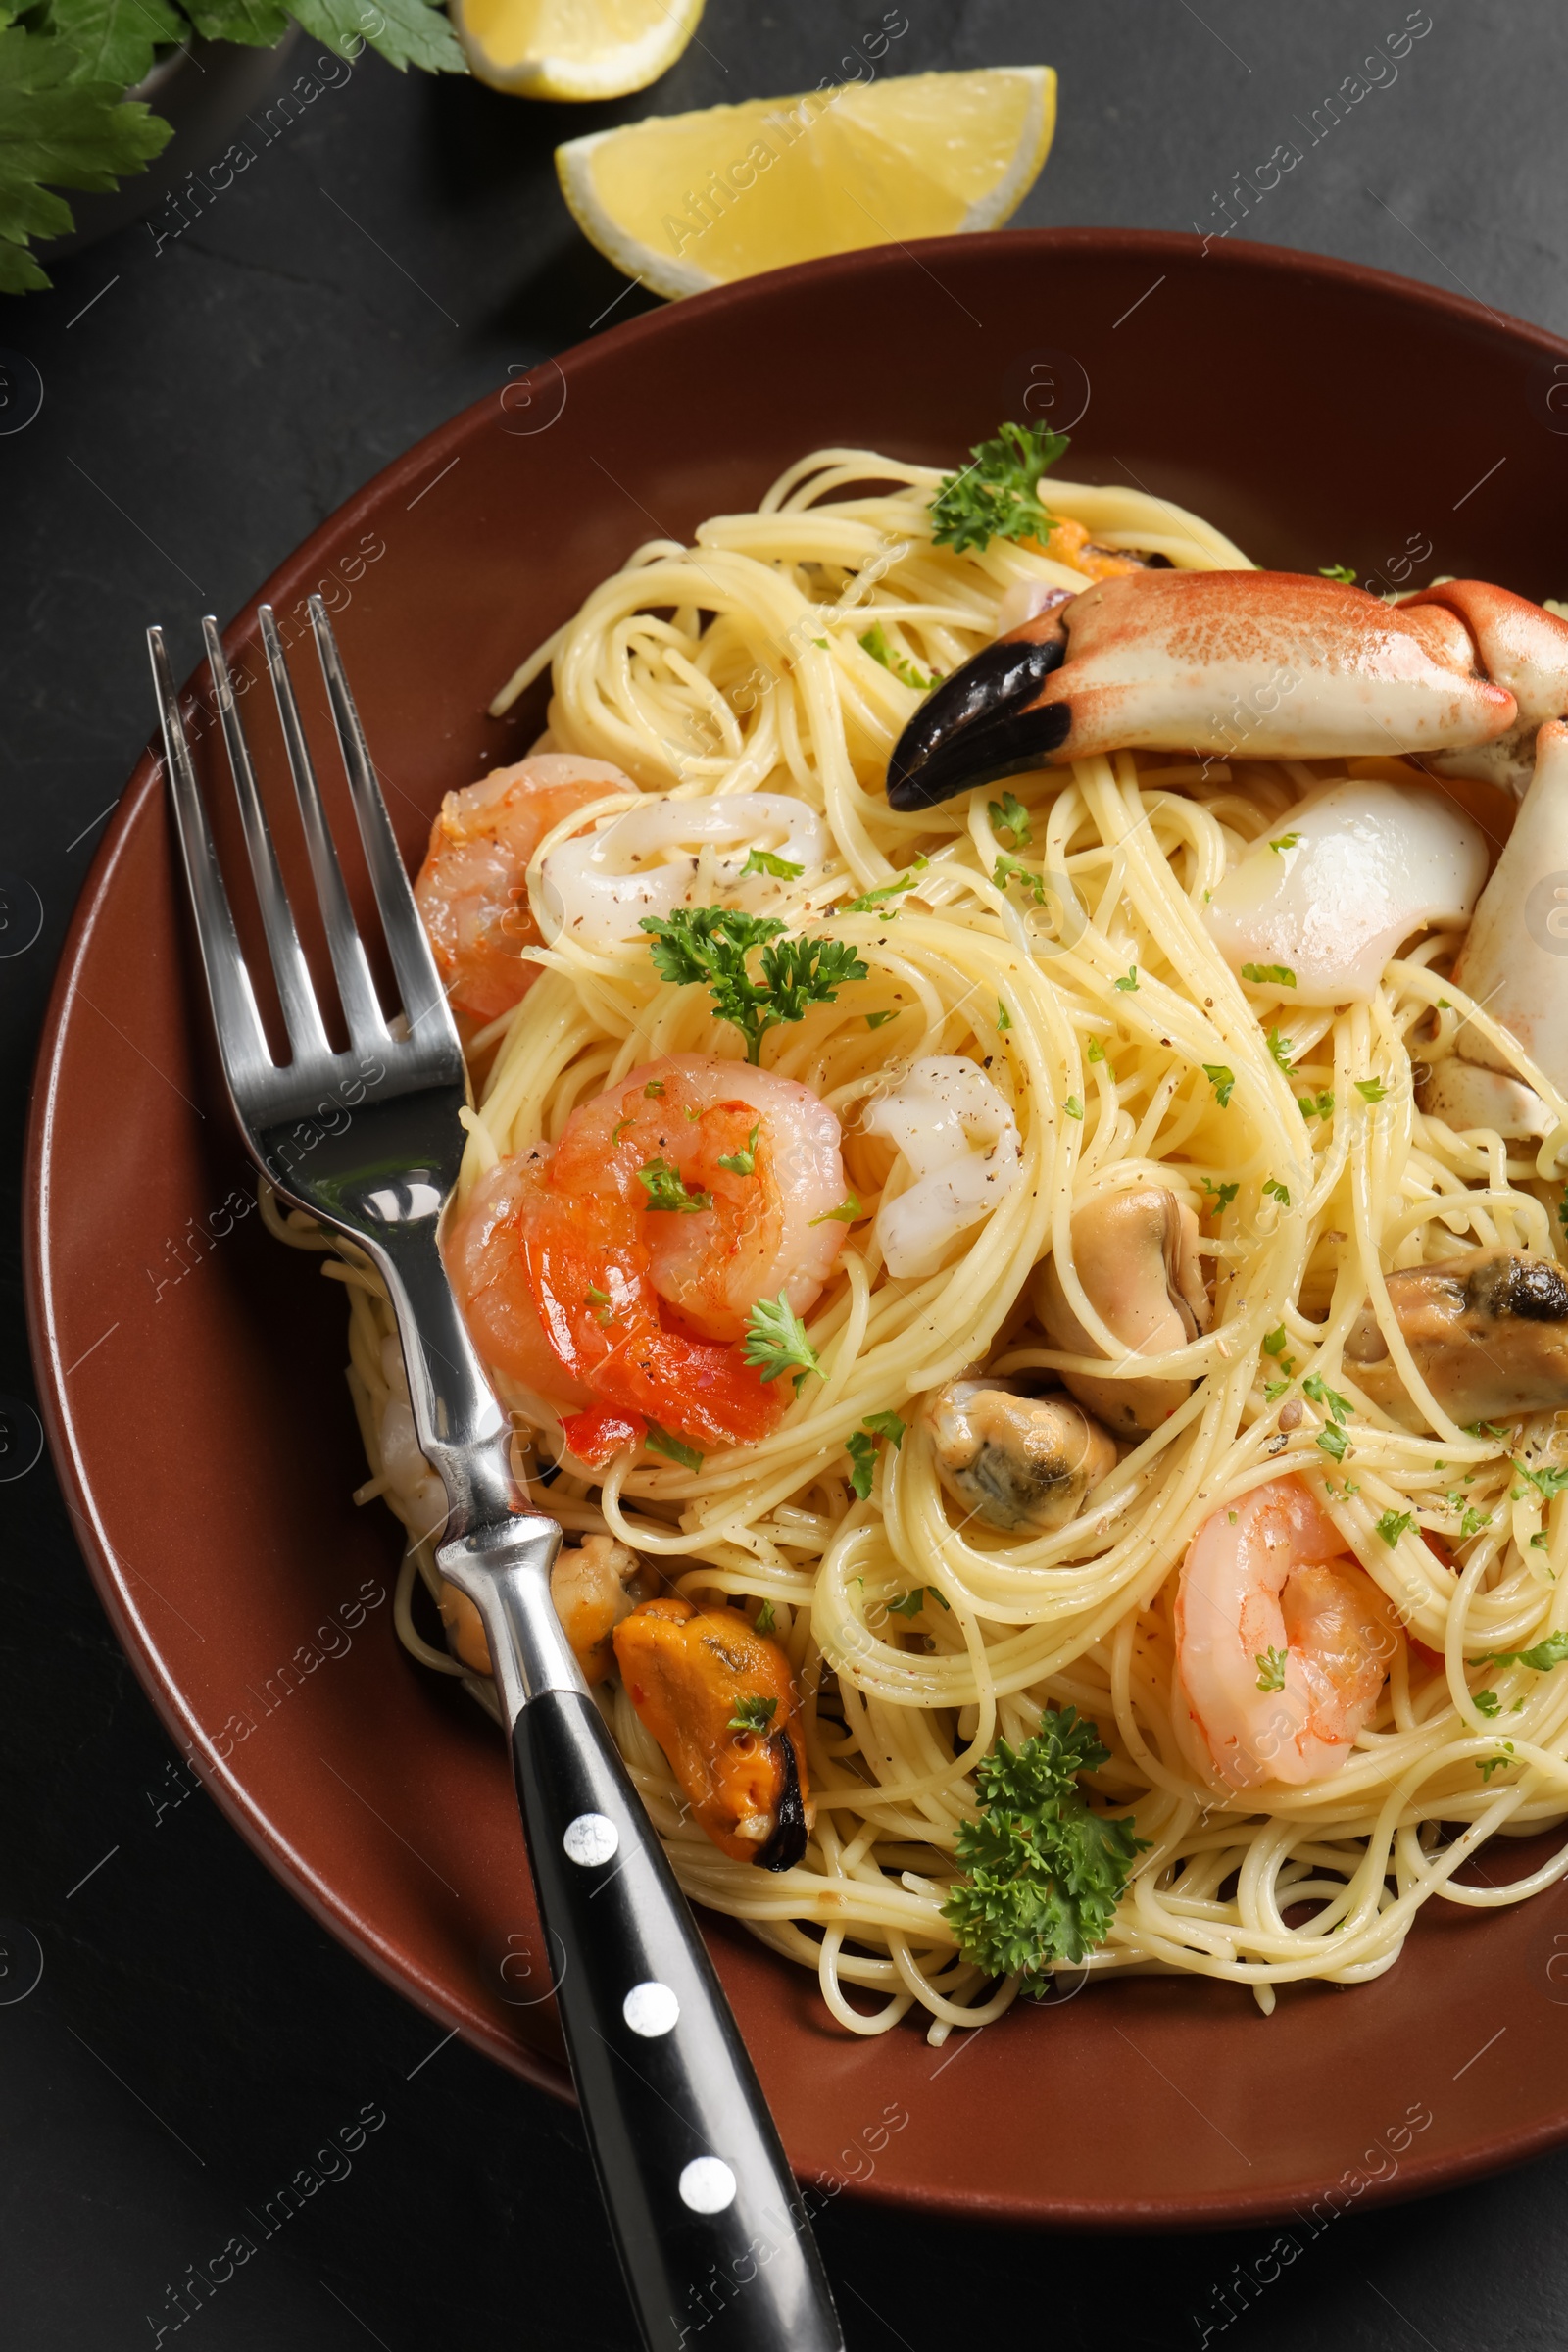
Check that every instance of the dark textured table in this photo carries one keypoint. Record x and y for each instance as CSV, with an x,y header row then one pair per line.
x,y
194,2040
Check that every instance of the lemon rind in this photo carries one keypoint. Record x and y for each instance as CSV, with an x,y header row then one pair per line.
x,y
616,74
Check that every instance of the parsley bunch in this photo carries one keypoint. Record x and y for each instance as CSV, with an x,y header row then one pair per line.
x,y
65,65
994,497
698,944
1043,1870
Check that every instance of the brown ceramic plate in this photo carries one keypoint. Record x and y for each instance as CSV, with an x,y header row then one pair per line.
x,y
1319,414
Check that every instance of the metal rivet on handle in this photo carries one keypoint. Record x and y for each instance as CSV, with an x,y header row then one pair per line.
x,y
590,1839
651,2009
707,2185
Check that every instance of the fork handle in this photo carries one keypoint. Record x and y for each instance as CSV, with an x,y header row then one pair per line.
x,y
714,2242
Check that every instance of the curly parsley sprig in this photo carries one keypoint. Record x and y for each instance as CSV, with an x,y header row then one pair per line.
x,y
711,944
995,496
1043,1870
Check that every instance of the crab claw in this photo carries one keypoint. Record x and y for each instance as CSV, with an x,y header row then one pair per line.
x,y
1265,664
987,720
1519,646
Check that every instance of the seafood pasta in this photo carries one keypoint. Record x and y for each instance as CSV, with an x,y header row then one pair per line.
x,y
1016,1201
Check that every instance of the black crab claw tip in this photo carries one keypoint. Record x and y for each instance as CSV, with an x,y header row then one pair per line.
x,y
978,726
788,1841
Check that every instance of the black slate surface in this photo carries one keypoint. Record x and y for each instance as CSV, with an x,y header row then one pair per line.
x,y
194,2038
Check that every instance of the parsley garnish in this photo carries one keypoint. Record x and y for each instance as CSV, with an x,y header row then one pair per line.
x,y
1319,1106
1224,1195
1010,815
994,497
762,1621
1221,1079
861,1451
875,643
1546,1481
660,1440
1488,1765
710,944
1278,1192
776,1341
847,1209
1273,1389
1013,869
1540,1660
875,1020
665,1191
744,1162
886,1425
1280,1048
1392,1524
1333,1441
1003,1018
908,1604
655,1086
754,1714
1286,841
1043,1870
1263,975
1473,1522
1486,1702
1371,1090
1274,1341
1074,1108
1316,1386
764,862
599,1301
1270,1664
1129,985
1338,571
870,899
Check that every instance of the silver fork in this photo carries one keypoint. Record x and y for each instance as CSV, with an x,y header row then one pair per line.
x,y
711,2235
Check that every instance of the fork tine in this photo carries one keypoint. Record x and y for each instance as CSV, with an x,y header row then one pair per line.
x,y
300,1011
240,1036
418,982
366,1026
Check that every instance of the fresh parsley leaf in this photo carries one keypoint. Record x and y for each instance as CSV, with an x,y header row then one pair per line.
x,y
1316,1386
875,643
1010,815
847,1209
1315,1107
1270,1666
655,1086
1274,1341
1266,975
665,1191
1043,1870
1074,1108
696,945
1488,1765
1473,1522
1286,841
407,33
908,1604
763,1621
1224,1195
1541,1660
776,1341
1338,571
1333,1441
64,123
1546,1482
1280,1048
1129,984
660,1440
1486,1702
1371,1090
886,1425
1003,1018
1222,1080
861,1451
114,39
1392,1524
995,496
1273,1389
742,1163
1278,1192
599,1301
875,1020
1485,1429
754,1714
1093,1050
764,862
1013,869
870,899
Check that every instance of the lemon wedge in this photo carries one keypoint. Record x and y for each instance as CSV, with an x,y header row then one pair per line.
x,y
684,202
573,49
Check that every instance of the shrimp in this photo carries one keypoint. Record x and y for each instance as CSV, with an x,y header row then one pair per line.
x,y
1282,1640
618,1271
471,891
